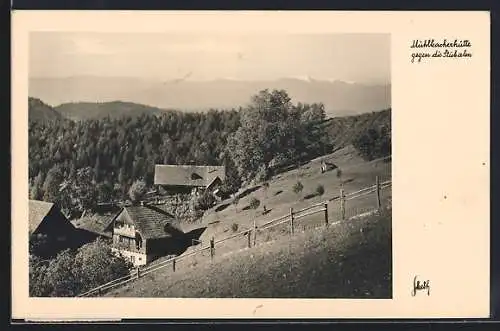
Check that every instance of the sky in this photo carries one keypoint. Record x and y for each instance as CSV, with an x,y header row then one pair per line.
x,y
362,58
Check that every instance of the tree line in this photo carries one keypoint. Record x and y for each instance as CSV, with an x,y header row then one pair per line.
x,y
79,163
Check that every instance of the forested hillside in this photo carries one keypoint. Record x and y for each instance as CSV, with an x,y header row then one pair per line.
x,y
79,163
370,133
39,111
114,109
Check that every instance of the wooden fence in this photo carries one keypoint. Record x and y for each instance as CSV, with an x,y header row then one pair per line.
x,y
288,219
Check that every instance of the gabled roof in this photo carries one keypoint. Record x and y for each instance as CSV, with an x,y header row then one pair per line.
x,y
98,224
187,175
152,222
37,212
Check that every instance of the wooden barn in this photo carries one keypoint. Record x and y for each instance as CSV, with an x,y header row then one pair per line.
x,y
143,233
49,229
186,178
91,227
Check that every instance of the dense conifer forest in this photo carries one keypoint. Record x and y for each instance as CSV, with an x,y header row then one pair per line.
x,y
80,163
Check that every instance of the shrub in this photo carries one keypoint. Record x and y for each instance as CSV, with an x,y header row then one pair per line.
x,y
137,191
262,174
254,203
205,201
236,200
339,173
297,188
71,273
234,227
38,244
320,190
96,264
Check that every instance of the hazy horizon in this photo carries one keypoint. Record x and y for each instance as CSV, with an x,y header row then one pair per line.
x,y
359,58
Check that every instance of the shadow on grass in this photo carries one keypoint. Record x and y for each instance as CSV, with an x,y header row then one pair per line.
x,y
310,196
267,211
181,242
248,191
222,207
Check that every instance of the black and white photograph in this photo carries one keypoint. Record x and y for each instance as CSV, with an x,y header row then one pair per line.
x,y
210,165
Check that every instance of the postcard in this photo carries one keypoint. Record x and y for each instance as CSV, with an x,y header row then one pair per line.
x,y
250,164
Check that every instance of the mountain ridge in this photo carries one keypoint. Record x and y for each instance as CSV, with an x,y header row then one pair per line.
x,y
339,97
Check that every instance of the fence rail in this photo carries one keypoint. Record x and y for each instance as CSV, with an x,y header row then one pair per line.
x,y
290,218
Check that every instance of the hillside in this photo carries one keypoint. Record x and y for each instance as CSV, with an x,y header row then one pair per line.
x,y
279,197
366,260
340,98
113,109
343,130
40,111
352,259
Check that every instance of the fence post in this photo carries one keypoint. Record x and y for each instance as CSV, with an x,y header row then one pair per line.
x,y
342,203
212,248
378,192
291,221
138,272
173,265
326,213
249,238
254,232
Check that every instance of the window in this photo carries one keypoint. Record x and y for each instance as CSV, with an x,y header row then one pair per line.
x,y
138,241
120,239
132,258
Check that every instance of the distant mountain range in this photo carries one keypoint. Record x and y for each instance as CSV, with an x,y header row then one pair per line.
x,y
340,98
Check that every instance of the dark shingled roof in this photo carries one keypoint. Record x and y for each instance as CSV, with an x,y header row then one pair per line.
x,y
153,222
37,212
98,224
187,175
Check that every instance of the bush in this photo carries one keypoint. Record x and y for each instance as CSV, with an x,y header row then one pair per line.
x,y
235,202
262,174
339,173
205,201
320,190
137,191
254,203
97,264
38,244
71,273
297,188
234,227
374,143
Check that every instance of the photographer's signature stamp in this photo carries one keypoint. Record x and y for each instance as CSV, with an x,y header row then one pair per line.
x,y
420,285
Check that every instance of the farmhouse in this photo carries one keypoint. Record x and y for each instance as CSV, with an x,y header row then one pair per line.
x,y
97,225
143,233
91,227
47,222
192,178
